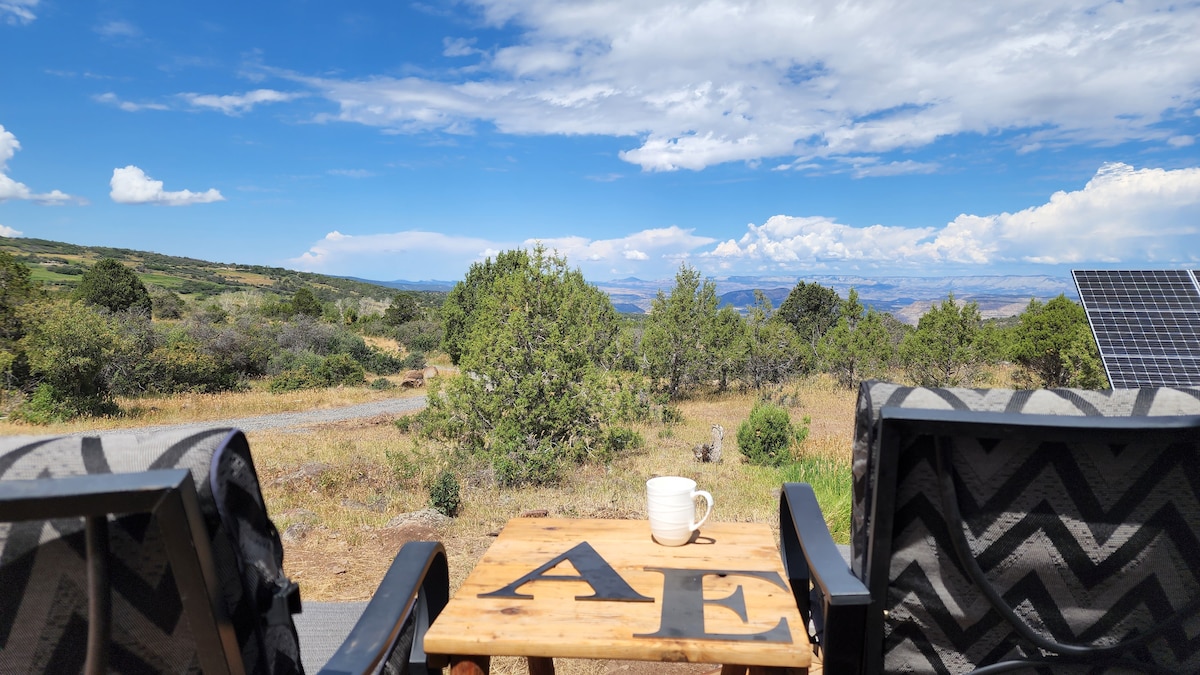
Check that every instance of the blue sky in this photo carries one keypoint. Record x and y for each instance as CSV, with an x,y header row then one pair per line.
x,y
394,140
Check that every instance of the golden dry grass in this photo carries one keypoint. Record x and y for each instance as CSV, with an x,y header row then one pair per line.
x,y
187,408
340,485
333,491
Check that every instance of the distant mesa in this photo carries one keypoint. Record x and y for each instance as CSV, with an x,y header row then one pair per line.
x,y
907,298
403,285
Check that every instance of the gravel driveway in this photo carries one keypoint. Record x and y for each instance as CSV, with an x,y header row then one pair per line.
x,y
287,420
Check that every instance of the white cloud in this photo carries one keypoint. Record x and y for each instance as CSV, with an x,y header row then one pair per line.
x,y
110,98
6,231
351,173
701,82
118,29
236,104
459,47
11,189
1122,214
413,254
16,12
1181,141
131,185
418,254
662,243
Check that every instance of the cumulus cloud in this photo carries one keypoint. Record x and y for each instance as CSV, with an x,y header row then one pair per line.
x,y
416,254
11,189
1122,214
412,254
665,242
6,231
15,12
131,185
799,81
236,104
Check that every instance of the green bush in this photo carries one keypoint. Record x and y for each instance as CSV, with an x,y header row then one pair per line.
x,y
382,384
522,461
414,361
631,403
312,371
444,494
291,380
671,415
340,369
48,405
619,440
419,336
767,436
384,363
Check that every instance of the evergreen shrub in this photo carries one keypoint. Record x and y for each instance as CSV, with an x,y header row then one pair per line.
x,y
444,494
767,436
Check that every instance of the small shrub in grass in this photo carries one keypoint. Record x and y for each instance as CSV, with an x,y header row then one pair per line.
x,y
48,405
767,436
413,361
619,440
382,384
341,369
444,494
671,415
296,378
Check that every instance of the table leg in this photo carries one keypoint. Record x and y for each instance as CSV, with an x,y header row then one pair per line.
x,y
470,665
540,665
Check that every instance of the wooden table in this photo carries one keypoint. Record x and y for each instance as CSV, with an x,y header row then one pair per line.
x,y
603,589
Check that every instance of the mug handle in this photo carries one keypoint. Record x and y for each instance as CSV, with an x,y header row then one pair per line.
x,y
708,498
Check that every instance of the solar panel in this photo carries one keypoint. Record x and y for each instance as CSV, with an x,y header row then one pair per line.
x,y
1146,323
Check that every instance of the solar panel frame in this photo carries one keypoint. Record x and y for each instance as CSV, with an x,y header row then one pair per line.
x,y
1146,324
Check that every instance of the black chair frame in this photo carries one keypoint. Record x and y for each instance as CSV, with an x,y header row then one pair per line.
x,y
848,621
416,584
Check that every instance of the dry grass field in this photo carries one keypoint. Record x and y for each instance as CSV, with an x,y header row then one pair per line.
x,y
339,493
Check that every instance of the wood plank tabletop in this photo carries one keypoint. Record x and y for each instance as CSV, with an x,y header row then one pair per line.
x,y
723,598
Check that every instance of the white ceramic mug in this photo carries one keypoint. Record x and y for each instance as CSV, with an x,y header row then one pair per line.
x,y
671,505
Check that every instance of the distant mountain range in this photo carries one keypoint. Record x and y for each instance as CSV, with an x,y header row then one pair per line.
x,y
907,298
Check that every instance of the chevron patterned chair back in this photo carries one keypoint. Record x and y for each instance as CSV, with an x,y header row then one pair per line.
x,y
153,553
1052,531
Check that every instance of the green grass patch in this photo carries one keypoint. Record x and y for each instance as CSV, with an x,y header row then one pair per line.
x,y
164,280
832,482
46,276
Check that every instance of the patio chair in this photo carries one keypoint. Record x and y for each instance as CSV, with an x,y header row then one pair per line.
x,y
154,553
992,530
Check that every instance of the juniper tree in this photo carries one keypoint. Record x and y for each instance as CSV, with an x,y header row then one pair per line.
x,y
112,285
949,347
531,395
858,346
812,309
674,346
1045,338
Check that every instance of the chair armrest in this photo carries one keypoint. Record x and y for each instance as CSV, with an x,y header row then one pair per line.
x,y
837,606
418,585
